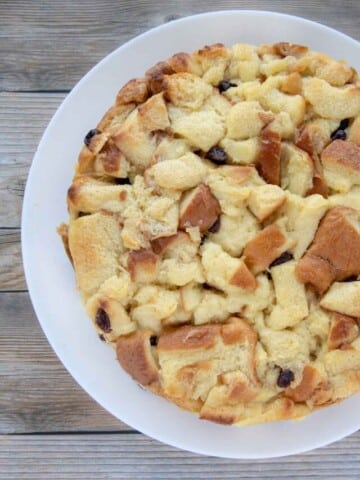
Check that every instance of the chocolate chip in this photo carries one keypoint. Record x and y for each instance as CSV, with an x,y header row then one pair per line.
x,y
225,85
284,257
215,227
102,320
153,340
217,155
338,135
122,181
102,338
285,378
90,135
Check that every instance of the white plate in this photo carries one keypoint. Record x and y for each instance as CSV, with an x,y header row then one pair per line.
x,y
50,277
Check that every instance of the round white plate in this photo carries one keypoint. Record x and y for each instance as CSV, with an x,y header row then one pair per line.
x,y
50,277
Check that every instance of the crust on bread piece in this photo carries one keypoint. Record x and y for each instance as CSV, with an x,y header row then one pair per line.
x,y
335,251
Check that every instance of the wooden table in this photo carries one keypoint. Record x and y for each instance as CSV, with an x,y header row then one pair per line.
x,y
50,428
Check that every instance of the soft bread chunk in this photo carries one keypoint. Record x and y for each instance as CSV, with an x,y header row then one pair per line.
x,y
154,304
230,185
312,139
277,101
142,266
179,174
112,161
244,62
134,140
134,355
179,246
199,208
291,302
332,102
292,84
341,162
350,199
264,200
285,49
107,308
335,251
153,114
223,271
235,231
186,90
213,60
313,387
191,358
95,245
202,129
321,66
241,152
264,248
296,170
268,159
246,120
343,331
286,348
343,298
89,195
134,90
302,217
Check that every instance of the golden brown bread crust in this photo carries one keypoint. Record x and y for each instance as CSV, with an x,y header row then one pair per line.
x,y
214,231
335,251
134,354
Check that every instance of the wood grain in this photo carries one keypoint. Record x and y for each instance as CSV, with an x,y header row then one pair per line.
x,y
22,121
11,270
37,394
50,45
133,456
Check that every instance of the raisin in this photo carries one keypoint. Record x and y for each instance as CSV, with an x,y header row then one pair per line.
x,y
217,155
102,320
225,85
338,135
285,378
122,181
284,257
344,124
215,227
153,340
90,135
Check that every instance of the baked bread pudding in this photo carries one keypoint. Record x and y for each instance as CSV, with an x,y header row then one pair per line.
x,y
214,231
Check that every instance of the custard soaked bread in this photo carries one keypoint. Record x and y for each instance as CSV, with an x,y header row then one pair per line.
x,y
214,231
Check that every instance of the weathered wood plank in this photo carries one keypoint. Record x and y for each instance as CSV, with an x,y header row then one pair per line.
x,y
37,394
38,39
124,456
22,121
11,270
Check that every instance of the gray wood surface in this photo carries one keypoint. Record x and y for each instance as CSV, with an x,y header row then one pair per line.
x,y
49,427
134,456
